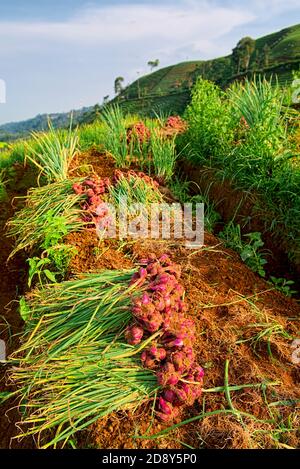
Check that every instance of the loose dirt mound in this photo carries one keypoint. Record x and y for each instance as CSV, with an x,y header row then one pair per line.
x,y
246,208
84,164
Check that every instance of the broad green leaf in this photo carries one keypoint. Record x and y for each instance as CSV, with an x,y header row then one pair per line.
x,y
24,309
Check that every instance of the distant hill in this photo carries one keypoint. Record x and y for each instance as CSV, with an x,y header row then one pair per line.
x,y
168,89
14,130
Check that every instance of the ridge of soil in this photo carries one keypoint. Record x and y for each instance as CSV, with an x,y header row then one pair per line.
x,y
228,303
246,210
216,285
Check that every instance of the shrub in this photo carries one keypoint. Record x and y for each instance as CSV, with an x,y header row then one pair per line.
x,y
209,125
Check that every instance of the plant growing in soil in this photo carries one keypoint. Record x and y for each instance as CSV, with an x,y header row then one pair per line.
x,y
57,257
181,190
92,136
3,193
60,256
115,139
209,132
249,252
211,216
52,152
246,135
283,285
164,155
36,267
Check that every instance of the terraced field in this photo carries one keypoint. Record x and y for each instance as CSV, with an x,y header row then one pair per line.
x,y
283,58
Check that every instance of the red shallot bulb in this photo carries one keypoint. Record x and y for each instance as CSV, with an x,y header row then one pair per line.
x,y
134,335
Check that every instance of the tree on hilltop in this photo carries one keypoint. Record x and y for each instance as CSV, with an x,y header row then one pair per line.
x,y
153,64
241,54
118,84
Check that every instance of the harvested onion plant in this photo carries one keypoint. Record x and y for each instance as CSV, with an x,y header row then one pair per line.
x,y
136,188
74,365
124,189
86,382
78,311
43,204
139,144
104,342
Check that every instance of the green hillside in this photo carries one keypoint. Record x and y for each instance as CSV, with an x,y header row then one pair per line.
x,y
14,130
275,55
167,90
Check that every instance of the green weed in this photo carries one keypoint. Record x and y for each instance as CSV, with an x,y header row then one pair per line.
x,y
37,268
250,252
283,285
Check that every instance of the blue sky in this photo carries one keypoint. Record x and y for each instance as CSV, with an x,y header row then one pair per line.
x,y
57,55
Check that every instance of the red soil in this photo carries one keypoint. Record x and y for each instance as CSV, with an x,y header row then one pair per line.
x,y
217,287
228,302
12,284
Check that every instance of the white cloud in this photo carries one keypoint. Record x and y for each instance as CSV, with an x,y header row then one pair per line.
x,y
176,26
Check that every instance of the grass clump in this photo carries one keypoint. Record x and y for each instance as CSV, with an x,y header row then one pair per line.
x,y
92,136
245,134
52,152
163,156
115,142
3,181
181,190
